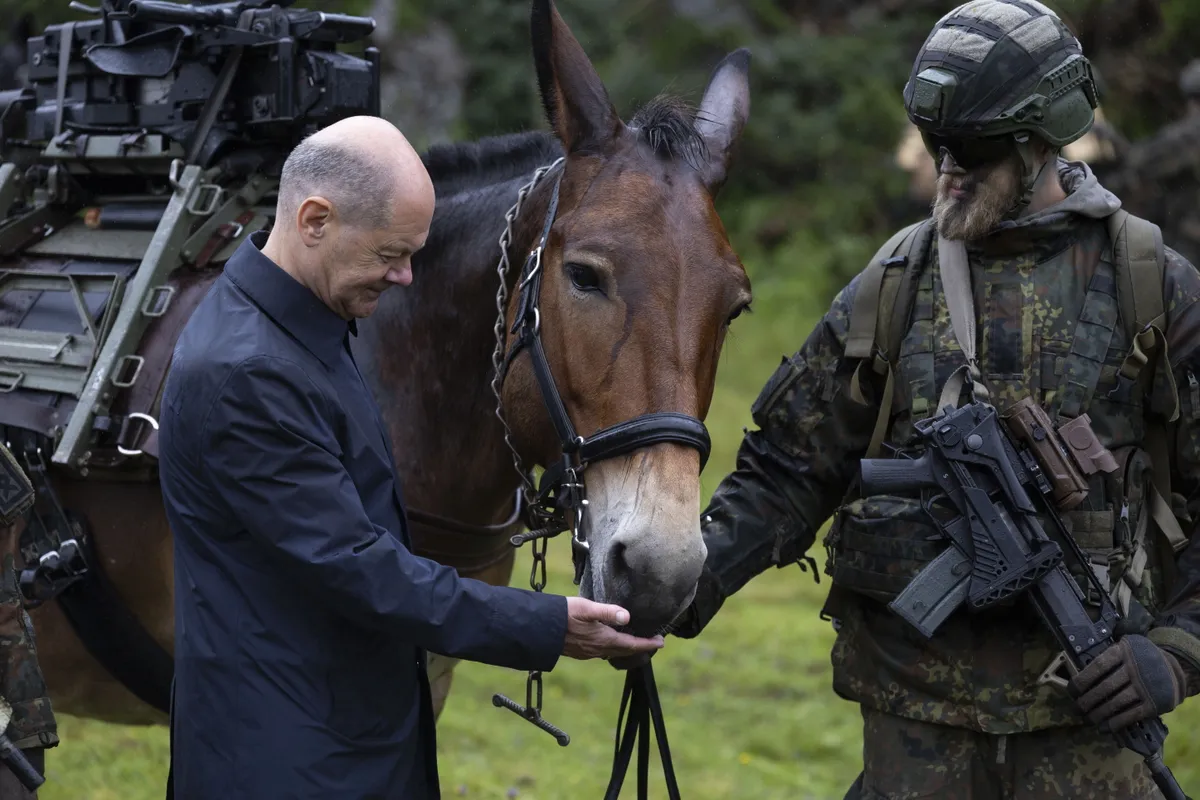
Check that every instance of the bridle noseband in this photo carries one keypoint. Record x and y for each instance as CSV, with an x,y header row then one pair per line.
x,y
557,505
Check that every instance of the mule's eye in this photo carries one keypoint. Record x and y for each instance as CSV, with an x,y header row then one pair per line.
x,y
737,313
583,277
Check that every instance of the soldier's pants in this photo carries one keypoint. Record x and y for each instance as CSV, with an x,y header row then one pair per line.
x,y
33,726
905,760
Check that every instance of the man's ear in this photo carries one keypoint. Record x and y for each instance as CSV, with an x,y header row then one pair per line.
x,y
313,219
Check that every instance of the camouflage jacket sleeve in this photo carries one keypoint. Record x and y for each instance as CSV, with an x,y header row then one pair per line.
x,y
1178,625
791,471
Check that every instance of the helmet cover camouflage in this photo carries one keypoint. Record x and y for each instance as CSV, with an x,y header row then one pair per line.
x,y
992,67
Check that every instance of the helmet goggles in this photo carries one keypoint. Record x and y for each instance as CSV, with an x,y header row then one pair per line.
x,y
970,152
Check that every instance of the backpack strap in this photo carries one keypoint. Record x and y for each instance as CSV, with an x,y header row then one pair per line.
x,y
888,277
864,318
1139,257
1138,251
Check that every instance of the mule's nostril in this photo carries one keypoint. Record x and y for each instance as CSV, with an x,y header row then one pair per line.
x,y
616,557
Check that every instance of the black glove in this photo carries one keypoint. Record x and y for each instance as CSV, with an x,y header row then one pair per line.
x,y
1132,681
703,608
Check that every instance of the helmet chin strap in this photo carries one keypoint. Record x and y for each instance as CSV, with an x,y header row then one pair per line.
x,y
1029,178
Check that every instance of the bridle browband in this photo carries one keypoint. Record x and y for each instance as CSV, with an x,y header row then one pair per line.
x,y
557,504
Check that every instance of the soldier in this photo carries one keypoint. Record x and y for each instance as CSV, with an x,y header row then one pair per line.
x,y
27,724
979,711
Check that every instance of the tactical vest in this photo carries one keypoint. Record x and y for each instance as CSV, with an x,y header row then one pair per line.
x,y
1127,527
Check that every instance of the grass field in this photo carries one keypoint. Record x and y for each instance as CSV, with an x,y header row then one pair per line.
x,y
749,709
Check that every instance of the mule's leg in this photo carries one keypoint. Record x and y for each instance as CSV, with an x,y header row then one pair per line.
x,y
441,668
132,544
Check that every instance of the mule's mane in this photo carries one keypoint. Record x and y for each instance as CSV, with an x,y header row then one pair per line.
x,y
666,124
462,166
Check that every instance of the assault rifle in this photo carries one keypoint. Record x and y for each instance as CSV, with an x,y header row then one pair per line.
x,y
999,548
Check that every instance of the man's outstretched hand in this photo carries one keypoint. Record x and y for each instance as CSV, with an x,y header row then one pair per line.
x,y
590,633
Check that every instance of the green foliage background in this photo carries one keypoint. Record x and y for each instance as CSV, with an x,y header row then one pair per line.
x,y
815,190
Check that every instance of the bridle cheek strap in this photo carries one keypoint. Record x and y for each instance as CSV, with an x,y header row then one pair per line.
x,y
624,437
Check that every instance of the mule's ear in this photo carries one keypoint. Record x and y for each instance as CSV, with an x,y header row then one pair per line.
x,y
576,102
723,114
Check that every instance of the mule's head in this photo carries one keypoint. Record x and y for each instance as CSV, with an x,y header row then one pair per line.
x,y
640,285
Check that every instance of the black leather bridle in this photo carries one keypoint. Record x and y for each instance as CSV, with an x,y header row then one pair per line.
x,y
560,497
559,502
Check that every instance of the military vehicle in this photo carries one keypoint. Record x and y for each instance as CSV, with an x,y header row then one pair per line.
x,y
144,147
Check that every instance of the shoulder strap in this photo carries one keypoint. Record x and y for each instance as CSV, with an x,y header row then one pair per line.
x,y
1139,259
877,324
865,316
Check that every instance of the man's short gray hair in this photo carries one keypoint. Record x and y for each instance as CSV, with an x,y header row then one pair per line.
x,y
360,188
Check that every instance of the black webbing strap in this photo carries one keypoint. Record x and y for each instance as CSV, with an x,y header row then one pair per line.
x,y
641,700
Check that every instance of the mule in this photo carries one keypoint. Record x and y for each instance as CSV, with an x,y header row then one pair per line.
x,y
639,286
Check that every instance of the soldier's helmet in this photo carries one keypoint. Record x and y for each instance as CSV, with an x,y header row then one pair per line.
x,y
991,68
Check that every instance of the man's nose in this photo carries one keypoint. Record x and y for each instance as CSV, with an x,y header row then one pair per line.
x,y
402,276
947,165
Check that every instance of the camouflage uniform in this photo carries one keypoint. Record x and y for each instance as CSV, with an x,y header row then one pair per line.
x,y
963,714
32,727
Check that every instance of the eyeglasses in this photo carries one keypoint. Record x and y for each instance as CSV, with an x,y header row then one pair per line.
x,y
970,153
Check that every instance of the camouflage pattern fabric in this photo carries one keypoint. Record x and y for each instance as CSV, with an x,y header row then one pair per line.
x,y
1036,280
906,759
21,682
985,60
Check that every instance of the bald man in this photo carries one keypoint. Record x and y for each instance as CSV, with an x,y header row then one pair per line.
x,y
301,617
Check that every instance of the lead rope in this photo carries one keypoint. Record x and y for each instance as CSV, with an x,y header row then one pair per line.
x,y
641,699
956,283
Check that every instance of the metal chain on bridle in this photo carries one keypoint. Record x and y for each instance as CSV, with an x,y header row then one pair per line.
x,y
557,505
539,535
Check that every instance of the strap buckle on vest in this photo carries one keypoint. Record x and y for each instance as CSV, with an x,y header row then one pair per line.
x,y
1122,392
1143,346
879,365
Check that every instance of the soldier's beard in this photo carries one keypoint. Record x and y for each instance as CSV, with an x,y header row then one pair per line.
x,y
990,194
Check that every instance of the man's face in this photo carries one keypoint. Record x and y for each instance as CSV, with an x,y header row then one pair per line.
x,y
970,202
367,261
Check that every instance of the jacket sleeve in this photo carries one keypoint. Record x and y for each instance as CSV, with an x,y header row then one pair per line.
x,y
1177,627
792,471
270,450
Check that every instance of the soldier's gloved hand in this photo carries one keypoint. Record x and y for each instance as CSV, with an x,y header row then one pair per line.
x,y
703,608
1131,681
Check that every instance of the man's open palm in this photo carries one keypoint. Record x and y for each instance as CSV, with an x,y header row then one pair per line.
x,y
590,633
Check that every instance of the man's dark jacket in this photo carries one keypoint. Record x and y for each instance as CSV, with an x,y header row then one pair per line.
x,y
301,617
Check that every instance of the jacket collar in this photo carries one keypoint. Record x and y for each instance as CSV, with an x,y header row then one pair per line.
x,y
292,306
